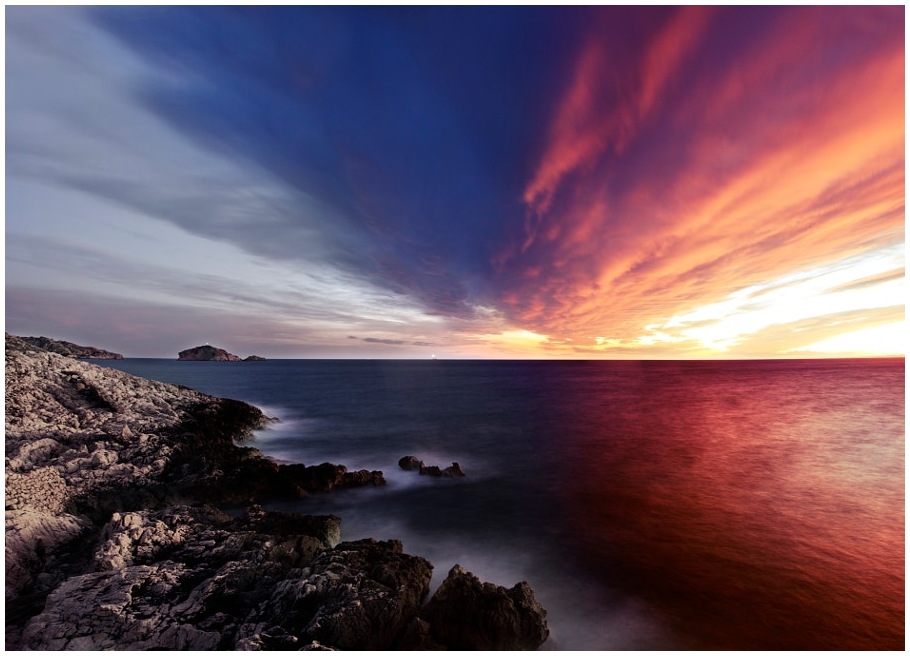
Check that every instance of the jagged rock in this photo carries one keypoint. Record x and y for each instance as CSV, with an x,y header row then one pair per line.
x,y
465,613
360,595
34,544
180,578
207,353
410,463
433,470
325,477
453,470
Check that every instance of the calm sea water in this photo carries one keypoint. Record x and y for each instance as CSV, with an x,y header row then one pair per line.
x,y
694,505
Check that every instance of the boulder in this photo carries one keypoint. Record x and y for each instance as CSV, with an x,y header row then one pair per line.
x,y
360,595
410,463
453,470
466,614
431,470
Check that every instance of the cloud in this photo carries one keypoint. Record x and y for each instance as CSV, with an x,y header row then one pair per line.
x,y
184,132
426,176
375,340
593,118
782,158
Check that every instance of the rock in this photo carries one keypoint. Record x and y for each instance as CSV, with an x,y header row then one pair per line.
x,y
360,595
69,349
468,614
454,470
326,477
410,463
180,578
254,358
207,353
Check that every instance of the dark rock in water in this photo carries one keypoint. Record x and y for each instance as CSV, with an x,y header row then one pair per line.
x,y
68,348
207,353
363,477
326,477
410,463
254,358
431,470
468,614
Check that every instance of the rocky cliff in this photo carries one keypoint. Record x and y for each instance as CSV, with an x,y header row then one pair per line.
x,y
114,539
69,349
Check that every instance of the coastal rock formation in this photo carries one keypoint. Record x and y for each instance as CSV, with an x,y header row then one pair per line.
x,y
180,578
254,358
466,613
411,463
69,349
114,540
207,353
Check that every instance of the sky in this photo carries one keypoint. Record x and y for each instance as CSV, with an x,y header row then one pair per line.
x,y
469,182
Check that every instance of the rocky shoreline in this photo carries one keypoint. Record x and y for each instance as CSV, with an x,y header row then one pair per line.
x,y
70,349
117,535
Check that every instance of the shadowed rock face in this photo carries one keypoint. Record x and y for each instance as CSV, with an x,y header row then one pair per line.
x,y
109,544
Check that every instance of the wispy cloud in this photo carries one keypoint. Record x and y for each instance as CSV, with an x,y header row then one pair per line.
x,y
786,158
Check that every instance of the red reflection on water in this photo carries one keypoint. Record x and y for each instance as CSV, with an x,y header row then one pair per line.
x,y
755,504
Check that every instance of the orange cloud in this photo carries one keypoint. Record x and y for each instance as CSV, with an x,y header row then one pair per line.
x,y
786,157
584,128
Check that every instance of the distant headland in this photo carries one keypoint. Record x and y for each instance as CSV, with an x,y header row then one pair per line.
x,y
208,353
69,349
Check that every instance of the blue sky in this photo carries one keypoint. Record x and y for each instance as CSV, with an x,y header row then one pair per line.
x,y
470,182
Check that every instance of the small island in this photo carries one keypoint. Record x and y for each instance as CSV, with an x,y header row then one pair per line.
x,y
208,353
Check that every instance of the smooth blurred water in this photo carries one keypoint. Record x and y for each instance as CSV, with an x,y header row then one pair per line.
x,y
699,505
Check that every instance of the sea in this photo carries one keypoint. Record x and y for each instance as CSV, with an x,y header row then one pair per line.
x,y
650,504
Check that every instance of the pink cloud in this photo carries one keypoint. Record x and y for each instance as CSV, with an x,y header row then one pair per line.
x,y
785,157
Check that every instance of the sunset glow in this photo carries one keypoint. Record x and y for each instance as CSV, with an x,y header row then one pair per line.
x,y
598,182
